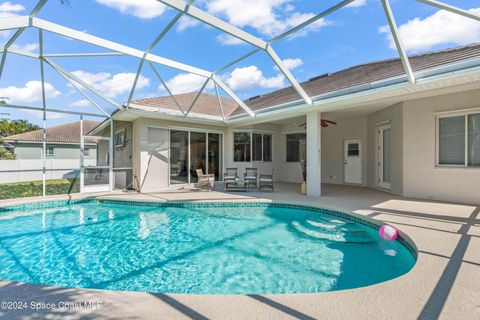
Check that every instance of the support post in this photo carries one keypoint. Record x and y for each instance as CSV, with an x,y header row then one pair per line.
x,y
314,165
44,122
82,157
110,158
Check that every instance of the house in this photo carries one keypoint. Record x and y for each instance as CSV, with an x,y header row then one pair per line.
x,y
419,140
62,153
62,142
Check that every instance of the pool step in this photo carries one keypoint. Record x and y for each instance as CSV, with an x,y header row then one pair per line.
x,y
342,237
333,227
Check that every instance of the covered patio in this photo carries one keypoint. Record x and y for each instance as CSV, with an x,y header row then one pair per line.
x,y
443,284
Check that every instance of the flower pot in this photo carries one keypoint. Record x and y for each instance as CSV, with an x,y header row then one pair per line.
x,y
303,188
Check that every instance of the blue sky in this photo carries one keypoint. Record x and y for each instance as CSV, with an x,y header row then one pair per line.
x,y
352,35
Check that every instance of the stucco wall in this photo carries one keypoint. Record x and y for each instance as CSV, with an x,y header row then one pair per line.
x,y
333,139
394,114
288,171
421,176
262,167
142,153
30,151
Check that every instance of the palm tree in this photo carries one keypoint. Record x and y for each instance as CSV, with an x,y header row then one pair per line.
x,y
11,127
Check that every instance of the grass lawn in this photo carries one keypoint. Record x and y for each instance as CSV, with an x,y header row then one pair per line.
x,y
34,188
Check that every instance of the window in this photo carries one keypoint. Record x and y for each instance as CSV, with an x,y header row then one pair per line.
x,y
259,145
49,151
459,140
267,147
86,152
120,138
296,147
353,149
241,146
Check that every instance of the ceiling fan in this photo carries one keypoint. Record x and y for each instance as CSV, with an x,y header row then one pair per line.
x,y
324,123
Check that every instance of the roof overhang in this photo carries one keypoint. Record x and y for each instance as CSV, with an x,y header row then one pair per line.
x,y
135,111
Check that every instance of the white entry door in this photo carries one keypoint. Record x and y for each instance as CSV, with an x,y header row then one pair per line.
x,y
383,155
353,161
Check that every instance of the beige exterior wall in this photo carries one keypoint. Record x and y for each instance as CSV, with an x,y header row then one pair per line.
x,y
262,167
413,149
288,171
422,178
333,139
142,155
393,114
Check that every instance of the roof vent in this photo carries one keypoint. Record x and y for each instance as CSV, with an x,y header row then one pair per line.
x,y
255,97
325,75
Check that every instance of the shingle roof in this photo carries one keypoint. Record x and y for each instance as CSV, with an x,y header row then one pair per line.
x,y
362,74
206,104
357,75
65,133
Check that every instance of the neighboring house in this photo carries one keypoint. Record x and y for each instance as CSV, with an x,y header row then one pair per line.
x,y
62,142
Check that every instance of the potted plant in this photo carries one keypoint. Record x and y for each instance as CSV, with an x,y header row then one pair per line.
x,y
303,166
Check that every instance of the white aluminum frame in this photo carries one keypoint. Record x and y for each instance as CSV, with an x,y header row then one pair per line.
x,y
20,23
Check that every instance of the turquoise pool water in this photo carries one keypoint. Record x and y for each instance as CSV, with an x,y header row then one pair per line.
x,y
180,248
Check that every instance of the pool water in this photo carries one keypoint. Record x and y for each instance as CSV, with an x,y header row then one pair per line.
x,y
217,249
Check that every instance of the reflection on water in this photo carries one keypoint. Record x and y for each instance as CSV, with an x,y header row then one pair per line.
x,y
195,250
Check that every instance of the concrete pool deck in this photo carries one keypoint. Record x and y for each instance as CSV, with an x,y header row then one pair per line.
x,y
445,282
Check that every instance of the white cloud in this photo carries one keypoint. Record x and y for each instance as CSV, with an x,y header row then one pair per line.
x,y
80,103
251,76
50,115
186,22
8,9
144,9
298,18
185,82
29,47
441,28
228,40
291,63
267,17
356,4
30,92
110,85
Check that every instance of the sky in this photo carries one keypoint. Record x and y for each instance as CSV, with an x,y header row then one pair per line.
x,y
353,35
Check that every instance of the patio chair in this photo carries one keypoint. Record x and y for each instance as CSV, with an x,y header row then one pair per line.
x,y
250,177
266,181
205,180
230,177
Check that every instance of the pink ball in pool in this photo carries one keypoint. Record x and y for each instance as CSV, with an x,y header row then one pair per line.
x,y
388,233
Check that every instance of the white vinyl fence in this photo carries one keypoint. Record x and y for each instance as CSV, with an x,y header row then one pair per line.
x,y
31,170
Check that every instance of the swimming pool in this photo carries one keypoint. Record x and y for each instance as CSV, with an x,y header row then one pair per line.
x,y
216,248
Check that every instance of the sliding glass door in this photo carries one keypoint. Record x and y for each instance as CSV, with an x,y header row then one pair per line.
x,y
191,150
215,153
198,154
178,157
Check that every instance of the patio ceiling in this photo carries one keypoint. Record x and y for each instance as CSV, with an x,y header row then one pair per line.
x,y
147,58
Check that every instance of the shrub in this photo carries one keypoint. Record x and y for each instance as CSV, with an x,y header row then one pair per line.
x,y
34,188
